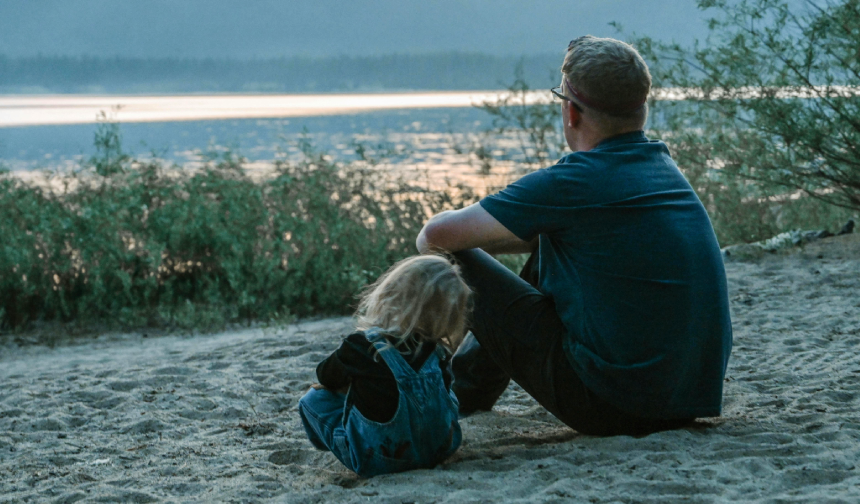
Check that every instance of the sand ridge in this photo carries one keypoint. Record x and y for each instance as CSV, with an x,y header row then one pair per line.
x,y
213,418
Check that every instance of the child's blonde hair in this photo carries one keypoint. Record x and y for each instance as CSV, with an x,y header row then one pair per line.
x,y
421,298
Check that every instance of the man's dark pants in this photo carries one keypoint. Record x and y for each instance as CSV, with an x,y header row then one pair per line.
x,y
517,334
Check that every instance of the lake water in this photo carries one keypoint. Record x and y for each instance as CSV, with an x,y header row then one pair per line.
x,y
432,131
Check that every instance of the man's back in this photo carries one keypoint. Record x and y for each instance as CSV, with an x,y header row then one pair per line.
x,y
628,329
630,258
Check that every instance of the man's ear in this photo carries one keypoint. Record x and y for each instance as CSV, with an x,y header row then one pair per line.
x,y
573,116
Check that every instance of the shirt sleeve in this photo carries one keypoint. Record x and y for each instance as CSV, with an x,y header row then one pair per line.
x,y
527,207
336,371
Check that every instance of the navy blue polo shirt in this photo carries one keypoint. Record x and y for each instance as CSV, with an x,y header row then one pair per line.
x,y
629,257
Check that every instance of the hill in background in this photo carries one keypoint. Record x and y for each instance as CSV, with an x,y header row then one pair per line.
x,y
443,71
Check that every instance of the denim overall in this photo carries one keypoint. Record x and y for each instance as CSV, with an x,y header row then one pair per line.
x,y
423,431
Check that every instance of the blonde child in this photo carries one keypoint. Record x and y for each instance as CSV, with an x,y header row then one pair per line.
x,y
384,402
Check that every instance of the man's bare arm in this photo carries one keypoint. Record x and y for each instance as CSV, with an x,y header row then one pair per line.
x,y
467,228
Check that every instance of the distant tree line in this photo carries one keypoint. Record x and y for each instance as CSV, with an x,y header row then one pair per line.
x,y
77,74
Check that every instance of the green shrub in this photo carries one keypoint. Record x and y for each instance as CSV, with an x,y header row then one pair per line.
x,y
768,134
535,125
130,243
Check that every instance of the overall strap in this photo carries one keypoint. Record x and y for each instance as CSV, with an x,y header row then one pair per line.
x,y
398,365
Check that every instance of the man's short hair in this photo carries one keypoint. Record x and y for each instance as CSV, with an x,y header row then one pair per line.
x,y
608,76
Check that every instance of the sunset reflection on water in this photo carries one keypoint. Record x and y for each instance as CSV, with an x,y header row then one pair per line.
x,y
429,155
25,110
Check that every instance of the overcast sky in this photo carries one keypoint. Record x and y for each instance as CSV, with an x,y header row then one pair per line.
x,y
266,28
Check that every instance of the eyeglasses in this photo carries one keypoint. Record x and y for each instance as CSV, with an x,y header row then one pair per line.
x,y
559,93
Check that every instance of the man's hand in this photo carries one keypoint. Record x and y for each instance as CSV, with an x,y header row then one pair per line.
x,y
468,228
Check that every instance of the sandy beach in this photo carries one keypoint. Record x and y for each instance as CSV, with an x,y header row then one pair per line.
x,y
128,418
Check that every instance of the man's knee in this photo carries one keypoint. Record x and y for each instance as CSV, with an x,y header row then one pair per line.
x,y
478,379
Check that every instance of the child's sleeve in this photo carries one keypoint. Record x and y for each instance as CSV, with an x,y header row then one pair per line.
x,y
331,373
352,358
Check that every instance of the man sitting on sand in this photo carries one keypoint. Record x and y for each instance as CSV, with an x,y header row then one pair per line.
x,y
619,323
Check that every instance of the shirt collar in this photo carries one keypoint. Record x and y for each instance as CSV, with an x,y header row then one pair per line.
x,y
624,138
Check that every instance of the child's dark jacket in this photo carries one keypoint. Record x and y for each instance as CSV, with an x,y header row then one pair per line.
x,y
373,391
